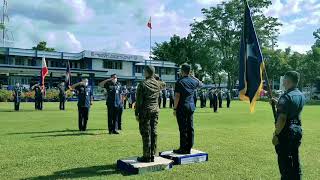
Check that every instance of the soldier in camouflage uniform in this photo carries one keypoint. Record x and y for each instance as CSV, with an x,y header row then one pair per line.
x,y
146,112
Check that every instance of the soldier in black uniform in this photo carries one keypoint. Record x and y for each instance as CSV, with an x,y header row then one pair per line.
x,y
228,97
220,98
288,132
164,98
195,97
184,108
62,96
215,101
85,98
113,102
210,94
171,97
38,96
16,97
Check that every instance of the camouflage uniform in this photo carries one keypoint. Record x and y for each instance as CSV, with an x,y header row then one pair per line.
x,y
147,109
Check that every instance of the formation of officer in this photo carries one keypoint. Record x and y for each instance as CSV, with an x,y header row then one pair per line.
x,y
17,96
220,98
62,95
114,102
164,98
215,100
146,112
203,98
38,96
228,98
85,98
184,108
210,96
288,132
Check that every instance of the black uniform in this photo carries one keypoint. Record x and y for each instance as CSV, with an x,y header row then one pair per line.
x,y
211,98
120,110
171,97
186,86
114,105
291,103
125,93
215,102
17,98
228,99
62,97
220,99
159,99
203,99
195,98
38,98
84,102
164,98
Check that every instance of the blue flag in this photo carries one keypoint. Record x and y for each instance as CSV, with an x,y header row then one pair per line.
x,y
251,62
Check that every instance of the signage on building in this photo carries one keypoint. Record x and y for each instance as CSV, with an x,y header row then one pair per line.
x,y
113,56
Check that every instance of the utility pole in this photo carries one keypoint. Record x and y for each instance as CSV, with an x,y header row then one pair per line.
x,y
3,25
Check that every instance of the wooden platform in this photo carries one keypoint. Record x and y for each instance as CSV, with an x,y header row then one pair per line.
x,y
195,157
132,166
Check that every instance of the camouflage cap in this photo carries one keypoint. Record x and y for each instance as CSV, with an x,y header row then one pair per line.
x,y
150,70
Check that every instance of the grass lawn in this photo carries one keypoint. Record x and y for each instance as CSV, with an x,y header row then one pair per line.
x,y
47,144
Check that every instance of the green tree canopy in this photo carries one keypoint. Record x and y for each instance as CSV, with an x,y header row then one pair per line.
x,y
42,46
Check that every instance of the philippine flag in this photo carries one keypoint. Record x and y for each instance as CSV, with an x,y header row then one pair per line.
x,y
44,70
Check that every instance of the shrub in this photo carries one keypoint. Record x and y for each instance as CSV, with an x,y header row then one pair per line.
x,y
6,95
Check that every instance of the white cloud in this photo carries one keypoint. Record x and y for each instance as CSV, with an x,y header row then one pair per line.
x,y
209,2
301,48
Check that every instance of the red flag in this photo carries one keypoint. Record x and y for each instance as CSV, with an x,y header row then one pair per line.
x,y
44,70
149,23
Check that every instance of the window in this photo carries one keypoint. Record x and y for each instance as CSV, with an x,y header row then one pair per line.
x,y
2,59
112,65
139,69
19,61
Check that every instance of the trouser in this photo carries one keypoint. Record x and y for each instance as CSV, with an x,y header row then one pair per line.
x,y
185,123
148,130
228,103
38,104
203,103
288,160
16,105
220,103
119,118
125,104
164,102
62,104
83,113
159,102
171,102
130,105
112,118
211,103
215,105
195,102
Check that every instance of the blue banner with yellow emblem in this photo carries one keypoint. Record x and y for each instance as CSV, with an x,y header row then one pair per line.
x,y
251,62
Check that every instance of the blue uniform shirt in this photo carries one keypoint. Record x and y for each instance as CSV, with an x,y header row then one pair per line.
x,y
84,96
186,86
114,94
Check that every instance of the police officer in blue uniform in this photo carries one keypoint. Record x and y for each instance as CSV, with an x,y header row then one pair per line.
x,y
184,107
85,98
17,97
288,132
113,102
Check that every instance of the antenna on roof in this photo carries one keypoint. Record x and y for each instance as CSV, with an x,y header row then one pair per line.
x,y
7,36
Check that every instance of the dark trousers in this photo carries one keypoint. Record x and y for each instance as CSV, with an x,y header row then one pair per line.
x,y
220,103
159,101
130,105
62,104
195,101
211,103
215,105
112,118
38,104
228,103
16,105
185,123
171,102
288,160
125,104
164,102
83,113
203,103
119,118
148,130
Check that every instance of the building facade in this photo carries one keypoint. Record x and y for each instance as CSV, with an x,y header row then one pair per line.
x,y
23,66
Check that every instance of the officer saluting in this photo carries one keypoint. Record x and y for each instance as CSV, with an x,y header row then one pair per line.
x,y
85,98
16,97
113,102
62,96
147,110
288,132
184,107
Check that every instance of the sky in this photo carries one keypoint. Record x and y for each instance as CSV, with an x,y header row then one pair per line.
x,y
120,26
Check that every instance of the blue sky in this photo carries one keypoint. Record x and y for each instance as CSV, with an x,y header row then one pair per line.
x,y
120,25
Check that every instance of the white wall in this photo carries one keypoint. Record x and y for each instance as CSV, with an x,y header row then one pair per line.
x,y
168,77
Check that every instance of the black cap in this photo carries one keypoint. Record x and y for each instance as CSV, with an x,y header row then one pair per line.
x,y
186,68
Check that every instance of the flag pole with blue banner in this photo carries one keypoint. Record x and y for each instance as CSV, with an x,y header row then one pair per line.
x,y
251,64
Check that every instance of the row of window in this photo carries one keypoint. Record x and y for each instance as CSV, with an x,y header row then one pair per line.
x,y
112,64
164,71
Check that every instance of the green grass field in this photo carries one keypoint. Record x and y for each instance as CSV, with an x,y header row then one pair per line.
x,y
47,144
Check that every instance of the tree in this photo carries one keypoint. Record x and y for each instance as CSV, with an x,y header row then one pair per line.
x,y
42,46
221,30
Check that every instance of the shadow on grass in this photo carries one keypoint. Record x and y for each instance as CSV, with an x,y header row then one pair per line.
x,y
83,172
70,134
55,131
